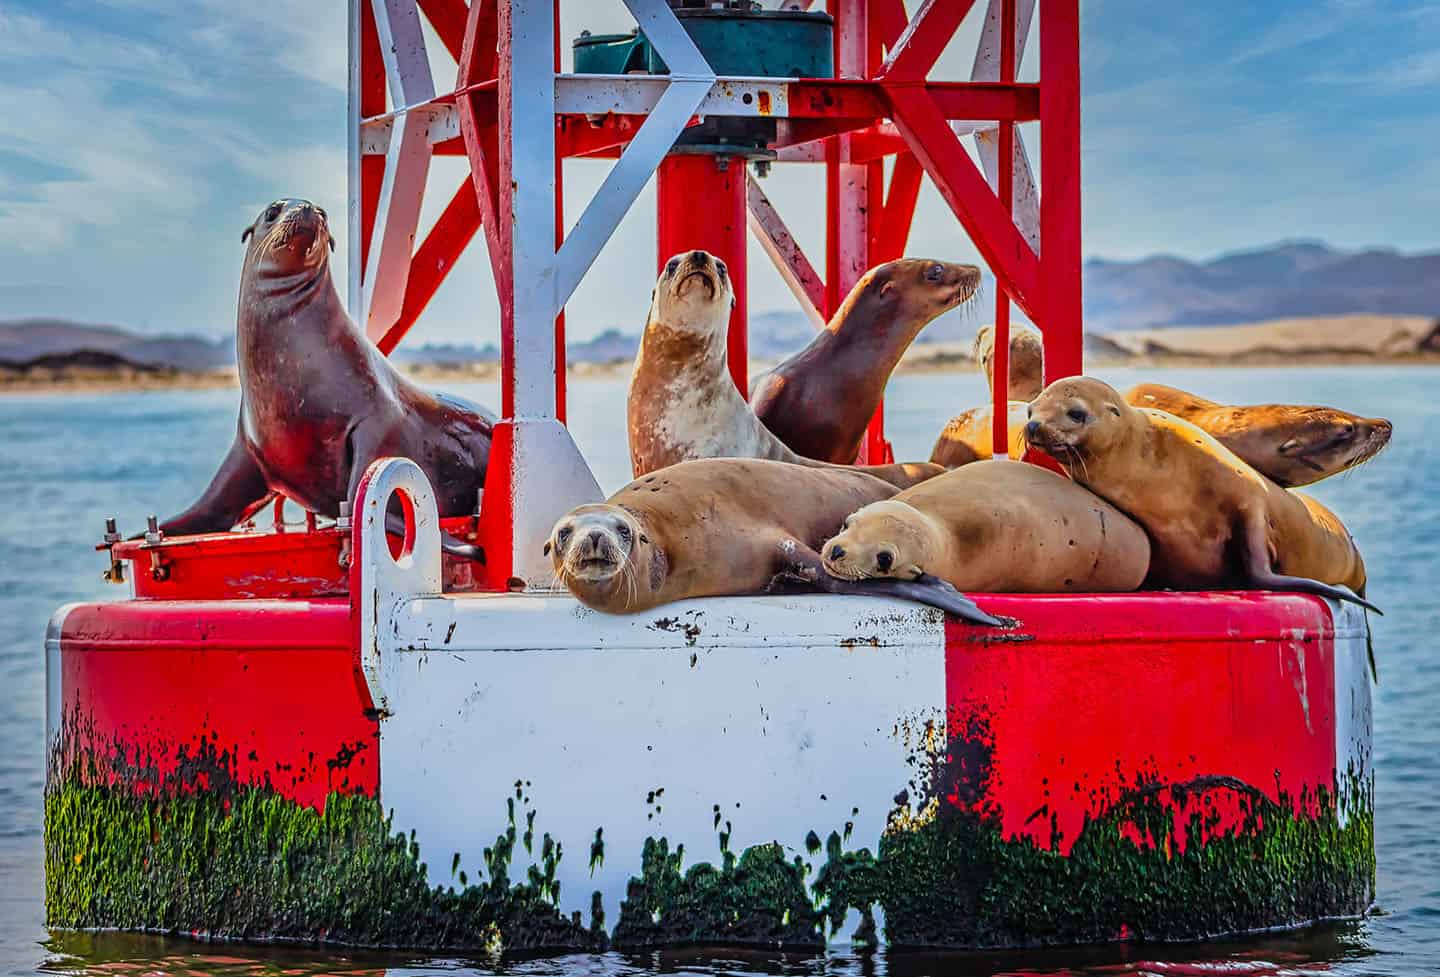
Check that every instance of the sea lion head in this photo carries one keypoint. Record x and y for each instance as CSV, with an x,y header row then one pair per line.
x,y
1027,360
694,294
1077,418
884,539
1326,441
290,237
921,287
602,554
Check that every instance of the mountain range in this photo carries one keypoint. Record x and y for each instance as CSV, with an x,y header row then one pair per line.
x,y
1289,280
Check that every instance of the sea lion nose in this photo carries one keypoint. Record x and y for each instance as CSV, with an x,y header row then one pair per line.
x,y
595,538
837,552
699,257
1032,429
884,559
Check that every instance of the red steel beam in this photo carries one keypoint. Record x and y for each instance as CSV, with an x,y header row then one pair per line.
x,y
372,103
1005,187
899,211
926,36
448,17
1063,321
433,260
811,98
962,186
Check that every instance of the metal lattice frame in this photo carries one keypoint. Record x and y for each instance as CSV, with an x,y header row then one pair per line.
x,y
881,104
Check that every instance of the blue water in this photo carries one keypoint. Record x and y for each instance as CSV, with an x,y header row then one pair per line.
x,y
70,461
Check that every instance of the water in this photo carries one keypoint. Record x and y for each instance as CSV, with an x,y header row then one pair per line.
x,y
70,461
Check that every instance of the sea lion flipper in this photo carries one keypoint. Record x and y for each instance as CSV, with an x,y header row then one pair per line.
x,y
234,490
803,565
1262,577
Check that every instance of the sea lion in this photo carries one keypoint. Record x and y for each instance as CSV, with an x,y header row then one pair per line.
x,y
994,527
682,404
969,436
1290,444
1027,361
722,526
1213,521
820,401
318,401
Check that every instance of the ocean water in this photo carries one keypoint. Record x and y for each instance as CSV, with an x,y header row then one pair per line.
x,y
70,461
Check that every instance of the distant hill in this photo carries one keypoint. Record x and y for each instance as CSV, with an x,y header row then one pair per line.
x,y
1290,280
1287,281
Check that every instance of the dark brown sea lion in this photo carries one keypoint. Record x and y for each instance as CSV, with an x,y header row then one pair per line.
x,y
1291,444
994,527
723,526
819,401
318,401
1213,521
682,404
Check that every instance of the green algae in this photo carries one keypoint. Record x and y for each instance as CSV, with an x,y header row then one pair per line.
x,y
759,898
240,861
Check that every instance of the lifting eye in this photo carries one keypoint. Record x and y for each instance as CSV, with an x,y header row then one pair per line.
x,y
1077,415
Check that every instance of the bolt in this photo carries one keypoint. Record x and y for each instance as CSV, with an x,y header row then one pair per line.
x,y
762,168
343,520
479,500
153,534
112,531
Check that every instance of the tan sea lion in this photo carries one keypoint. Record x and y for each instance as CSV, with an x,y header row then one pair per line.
x,y
1213,521
682,404
1027,361
994,527
1291,444
723,526
318,401
820,400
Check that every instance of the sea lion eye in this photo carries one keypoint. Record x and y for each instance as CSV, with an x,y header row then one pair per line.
x,y
720,267
884,559
274,211
934,273
671,266
623,531
1077,415
563,535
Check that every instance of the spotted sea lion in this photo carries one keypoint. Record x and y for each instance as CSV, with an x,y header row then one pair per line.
x,y
318,401
682,403
820,400
1213,521
723,526
994,527
1291,444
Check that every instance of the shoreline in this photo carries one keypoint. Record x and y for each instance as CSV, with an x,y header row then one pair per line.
x,y
923,361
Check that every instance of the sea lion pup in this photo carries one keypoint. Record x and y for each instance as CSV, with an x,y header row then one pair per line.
x,y
820,401
1027,361
1291,444
723,526
1213,521
682,403
318,401
994,527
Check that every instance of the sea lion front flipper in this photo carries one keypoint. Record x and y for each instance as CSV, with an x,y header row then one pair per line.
x,y
236,487
801,564
1262,577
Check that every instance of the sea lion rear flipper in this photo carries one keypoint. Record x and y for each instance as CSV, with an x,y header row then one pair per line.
x,y
236,487
1262,577
803,565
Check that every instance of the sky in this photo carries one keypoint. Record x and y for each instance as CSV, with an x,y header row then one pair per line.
x,y
138,138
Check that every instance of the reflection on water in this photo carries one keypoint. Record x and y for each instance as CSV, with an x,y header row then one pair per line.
x,y
72,461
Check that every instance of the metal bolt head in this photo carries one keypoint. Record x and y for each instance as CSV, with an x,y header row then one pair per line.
x,y
152,530
343,520
112,531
